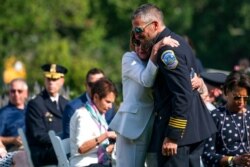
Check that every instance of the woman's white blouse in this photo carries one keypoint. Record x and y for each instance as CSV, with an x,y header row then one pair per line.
x,y
83,128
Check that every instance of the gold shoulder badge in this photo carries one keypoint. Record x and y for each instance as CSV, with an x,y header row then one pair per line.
x,y
169,59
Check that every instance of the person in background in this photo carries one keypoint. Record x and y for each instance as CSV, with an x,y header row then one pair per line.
x,y
12,115
230,146
243,65
182,122
44,113
214,82
92,76
89,129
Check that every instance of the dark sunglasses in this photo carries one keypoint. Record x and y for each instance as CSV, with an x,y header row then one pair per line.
x,y
16,90
139,30
238,98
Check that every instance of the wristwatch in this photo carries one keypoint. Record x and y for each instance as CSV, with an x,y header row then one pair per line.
x,y
230,161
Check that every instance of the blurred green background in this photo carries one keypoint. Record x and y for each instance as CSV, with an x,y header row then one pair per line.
x,y
81,34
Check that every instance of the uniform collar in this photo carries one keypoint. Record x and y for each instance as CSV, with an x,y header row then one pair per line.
x,y
165,32
54,98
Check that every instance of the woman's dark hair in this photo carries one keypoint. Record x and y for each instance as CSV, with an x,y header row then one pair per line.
x,y
103,87
133,41
236,79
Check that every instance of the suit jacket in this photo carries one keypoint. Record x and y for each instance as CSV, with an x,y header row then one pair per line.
x,y
41,116
137,106
181,113
70,109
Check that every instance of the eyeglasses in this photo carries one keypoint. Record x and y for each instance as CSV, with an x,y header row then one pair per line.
x,y
238,98
16,90
139,30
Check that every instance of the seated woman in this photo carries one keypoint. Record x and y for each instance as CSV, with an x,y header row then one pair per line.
x,y
230,146
12,159
88,128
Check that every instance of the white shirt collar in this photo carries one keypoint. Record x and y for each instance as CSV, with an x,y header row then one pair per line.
x,y
88,97
54,98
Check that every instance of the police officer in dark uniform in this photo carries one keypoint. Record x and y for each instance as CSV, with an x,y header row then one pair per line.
x,y
182,121
44,113
214,82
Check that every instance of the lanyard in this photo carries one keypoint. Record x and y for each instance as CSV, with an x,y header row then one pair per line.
x,y
97,117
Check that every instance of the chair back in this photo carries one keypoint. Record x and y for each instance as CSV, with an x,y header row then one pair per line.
x,y
27,149
25,145
61,147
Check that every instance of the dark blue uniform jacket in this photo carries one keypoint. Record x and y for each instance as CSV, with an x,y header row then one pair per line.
x,y
42,115
180,112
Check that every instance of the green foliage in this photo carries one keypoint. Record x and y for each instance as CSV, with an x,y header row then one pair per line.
x,y
82,34
220,32
48,51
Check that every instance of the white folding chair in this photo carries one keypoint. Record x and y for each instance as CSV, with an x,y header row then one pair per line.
x,y
27,149
61,147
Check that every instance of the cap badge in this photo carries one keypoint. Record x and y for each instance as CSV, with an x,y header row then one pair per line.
x,y
53,68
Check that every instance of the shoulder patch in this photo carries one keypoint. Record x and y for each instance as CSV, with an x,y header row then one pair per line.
x,y
169,59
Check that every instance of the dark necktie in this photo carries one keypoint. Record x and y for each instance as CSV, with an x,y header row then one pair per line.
x,y
56,104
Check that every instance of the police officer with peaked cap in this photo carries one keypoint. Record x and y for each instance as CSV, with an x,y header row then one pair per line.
x,y
216,79
214,82
44,113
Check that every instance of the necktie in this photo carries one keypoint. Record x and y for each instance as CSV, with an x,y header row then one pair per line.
x,y
56,104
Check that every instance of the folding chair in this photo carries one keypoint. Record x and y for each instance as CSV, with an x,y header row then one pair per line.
x,y
27,149
61,147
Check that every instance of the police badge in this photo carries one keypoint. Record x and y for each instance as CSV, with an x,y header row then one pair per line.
x,y
169,59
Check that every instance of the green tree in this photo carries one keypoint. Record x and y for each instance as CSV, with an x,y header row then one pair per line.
x,y
82,34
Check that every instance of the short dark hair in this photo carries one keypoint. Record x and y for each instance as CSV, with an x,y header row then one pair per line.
x,y
236,79
102,87
93,71
148,12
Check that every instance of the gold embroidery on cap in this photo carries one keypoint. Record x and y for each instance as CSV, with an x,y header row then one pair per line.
x,y
53,68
